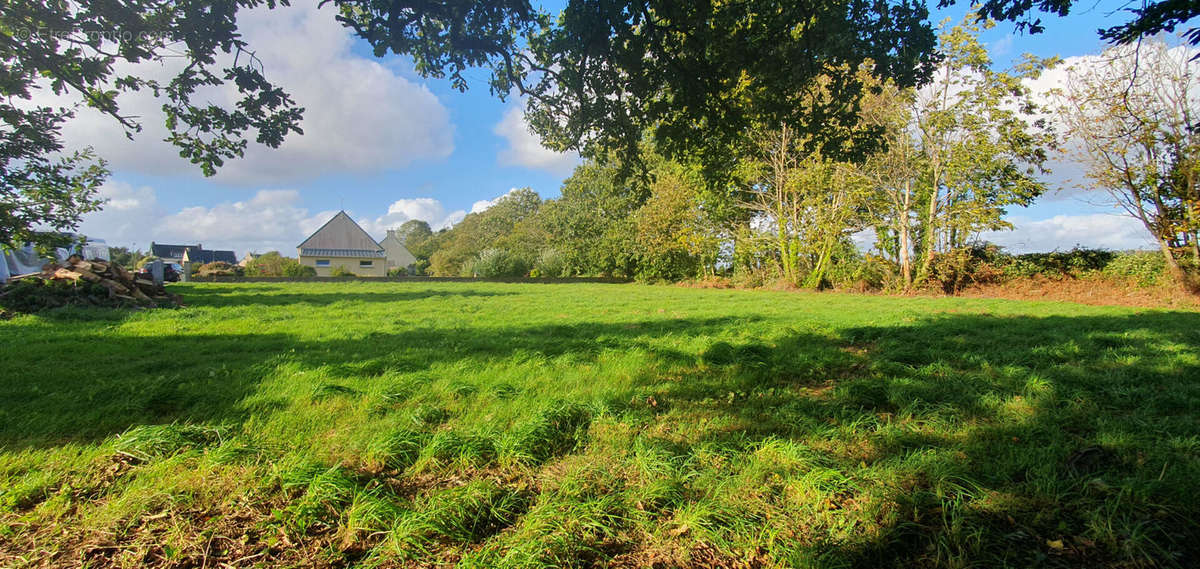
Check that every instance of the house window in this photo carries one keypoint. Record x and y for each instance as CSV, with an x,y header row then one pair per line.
x,y
322,262
365,264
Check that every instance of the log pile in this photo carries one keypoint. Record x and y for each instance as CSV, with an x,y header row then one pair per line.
x,y
82,282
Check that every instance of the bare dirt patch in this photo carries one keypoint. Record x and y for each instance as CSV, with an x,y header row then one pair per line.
x,y
1087,291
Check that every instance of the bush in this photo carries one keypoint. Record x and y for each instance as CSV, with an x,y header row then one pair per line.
x,y
218,269
552,263
497,263
275,265
1074,263
1147,268
298,270
341,271
977,264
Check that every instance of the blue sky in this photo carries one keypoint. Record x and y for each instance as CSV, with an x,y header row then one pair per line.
x,y
386,145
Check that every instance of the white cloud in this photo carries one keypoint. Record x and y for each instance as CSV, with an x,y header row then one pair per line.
x,y
1002,47
524,148
428,210
126,215
482,205
360,115
1063,232
1068,174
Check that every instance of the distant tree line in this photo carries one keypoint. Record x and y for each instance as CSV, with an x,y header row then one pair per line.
x,y
954,155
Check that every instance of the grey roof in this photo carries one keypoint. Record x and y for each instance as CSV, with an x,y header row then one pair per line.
x,y
343,253
203,256
170,251
340,232
196,254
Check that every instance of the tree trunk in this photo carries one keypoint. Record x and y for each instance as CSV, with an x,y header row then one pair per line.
x,y
1174,271
905,237
929,238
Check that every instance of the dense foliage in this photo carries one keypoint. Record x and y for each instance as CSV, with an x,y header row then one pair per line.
x,y
275,265
85,50
959,152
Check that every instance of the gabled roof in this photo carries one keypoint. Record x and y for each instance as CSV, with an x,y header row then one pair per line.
x,y
340,232
194,252
204,256
171,251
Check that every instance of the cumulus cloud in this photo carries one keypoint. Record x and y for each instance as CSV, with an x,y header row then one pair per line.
x,y
360,115
126,215
428,210
482,205
524,149
1063,232
1068,174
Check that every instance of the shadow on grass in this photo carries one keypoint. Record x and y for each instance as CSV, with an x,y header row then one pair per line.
x,y
78,383
1023,441
1009,437
293,295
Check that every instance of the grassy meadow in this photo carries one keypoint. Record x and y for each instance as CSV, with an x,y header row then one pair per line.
x,y
590,425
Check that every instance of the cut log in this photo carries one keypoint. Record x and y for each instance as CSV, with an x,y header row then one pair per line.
x,y
114,286
66,274
124,273
141,295
99,266
74,259
88,275
82,266
146,286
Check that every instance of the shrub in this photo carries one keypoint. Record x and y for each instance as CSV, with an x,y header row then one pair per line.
x,y
275,265
494,263
1147,268
977,264
341,271
298,270
420,268
467,269
1074,263
552,263
853,270
219,269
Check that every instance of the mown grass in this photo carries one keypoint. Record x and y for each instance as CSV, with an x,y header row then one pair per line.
x,y
509,425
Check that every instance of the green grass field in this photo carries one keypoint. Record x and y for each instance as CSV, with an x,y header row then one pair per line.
x,y
589,425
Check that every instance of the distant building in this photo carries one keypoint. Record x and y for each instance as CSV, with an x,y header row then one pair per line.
x,y
246,260
342,243
197,254
398,256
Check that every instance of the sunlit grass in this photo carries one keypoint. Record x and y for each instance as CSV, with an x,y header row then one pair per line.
x,y
507,425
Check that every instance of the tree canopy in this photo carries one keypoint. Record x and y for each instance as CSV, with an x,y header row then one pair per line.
x,y
86,50
1149,19
600,75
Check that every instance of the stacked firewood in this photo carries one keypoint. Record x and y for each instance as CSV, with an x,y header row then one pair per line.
x,y
96,282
